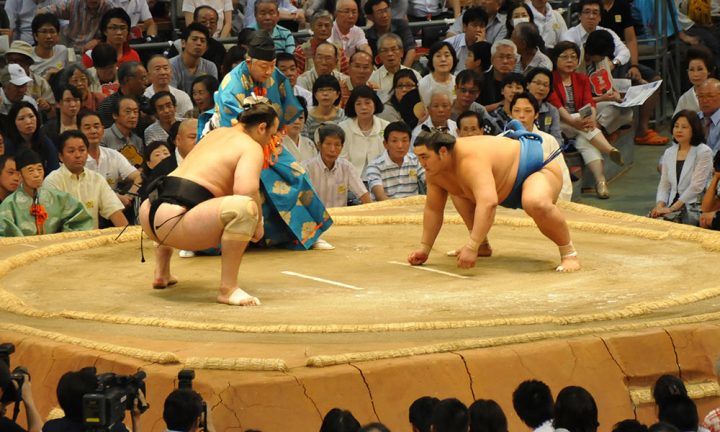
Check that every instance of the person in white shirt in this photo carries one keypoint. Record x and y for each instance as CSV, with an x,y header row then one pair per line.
x,y
223,8
550,23
301,147
439,110
14,82
110,163
20,13
48,55
159,77
687,167
533,403
332,176
589,22
141,20
390,52
474,22
87,186
495,28
363,129
286,63
442,64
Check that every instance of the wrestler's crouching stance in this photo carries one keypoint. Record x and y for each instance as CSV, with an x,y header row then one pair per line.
x,y
479,173
213,198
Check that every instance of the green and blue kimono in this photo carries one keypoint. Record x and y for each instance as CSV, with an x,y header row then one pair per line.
x,y
294,215
64,213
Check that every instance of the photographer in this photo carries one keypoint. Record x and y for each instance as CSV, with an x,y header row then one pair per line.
x,y
184,412
8,394
70,391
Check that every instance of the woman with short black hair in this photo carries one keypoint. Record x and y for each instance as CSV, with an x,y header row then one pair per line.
x,y
686,168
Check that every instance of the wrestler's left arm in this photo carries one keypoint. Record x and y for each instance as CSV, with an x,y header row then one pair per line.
x,y
482,184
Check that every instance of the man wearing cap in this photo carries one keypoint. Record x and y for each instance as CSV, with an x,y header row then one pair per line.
x,y
34,210
14,82
21,53
8,389
284,183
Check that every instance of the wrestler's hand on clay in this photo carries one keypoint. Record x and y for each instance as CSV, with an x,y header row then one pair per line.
x,y
467,258
706,219
417,257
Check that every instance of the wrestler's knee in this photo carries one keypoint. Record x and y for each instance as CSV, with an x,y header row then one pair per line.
x,y
239,216
535,206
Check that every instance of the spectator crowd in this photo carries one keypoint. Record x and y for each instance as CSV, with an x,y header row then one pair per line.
x,y
86,119
572,409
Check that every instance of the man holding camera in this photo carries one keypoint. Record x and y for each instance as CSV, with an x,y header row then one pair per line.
x,y
185,411
15,387
71,389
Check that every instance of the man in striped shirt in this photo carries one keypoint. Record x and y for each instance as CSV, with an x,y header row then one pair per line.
x,y
84,17
267,16
396,173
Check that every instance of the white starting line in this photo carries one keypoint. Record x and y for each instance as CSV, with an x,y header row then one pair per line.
x,y
432,270
317,279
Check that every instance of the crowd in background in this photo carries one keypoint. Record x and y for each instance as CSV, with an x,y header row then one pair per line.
x,y
366,95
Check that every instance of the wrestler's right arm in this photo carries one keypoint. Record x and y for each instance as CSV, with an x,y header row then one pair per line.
x,y
710,202
432,221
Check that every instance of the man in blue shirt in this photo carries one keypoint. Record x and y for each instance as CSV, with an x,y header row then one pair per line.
x,y
267,16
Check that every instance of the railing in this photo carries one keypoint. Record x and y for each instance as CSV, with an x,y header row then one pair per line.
x,y
299,35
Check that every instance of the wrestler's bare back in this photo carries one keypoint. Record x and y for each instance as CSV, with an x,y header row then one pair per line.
x,y
214,160
476,155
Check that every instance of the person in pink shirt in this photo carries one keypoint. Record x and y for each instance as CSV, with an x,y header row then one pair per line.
x,y
346,32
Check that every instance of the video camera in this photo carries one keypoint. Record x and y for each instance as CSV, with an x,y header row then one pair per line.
x,y
185,379
12,394
114,395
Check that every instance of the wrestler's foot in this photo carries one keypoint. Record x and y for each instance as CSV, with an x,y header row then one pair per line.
x,y
569,261
238,298
164,282
568,264
484,251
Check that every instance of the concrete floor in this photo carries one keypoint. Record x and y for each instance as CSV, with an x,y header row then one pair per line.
x,y
634,190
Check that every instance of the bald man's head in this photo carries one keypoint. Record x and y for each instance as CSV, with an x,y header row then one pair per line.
x,y
346,15
708,94
186,136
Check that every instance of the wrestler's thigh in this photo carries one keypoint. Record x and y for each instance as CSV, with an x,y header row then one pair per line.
x,y
194,229
541,187
143,216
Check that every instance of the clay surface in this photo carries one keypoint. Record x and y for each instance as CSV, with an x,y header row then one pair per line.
x,y
378,333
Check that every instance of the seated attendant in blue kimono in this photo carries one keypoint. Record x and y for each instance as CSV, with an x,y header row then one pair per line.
x,y
294,215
